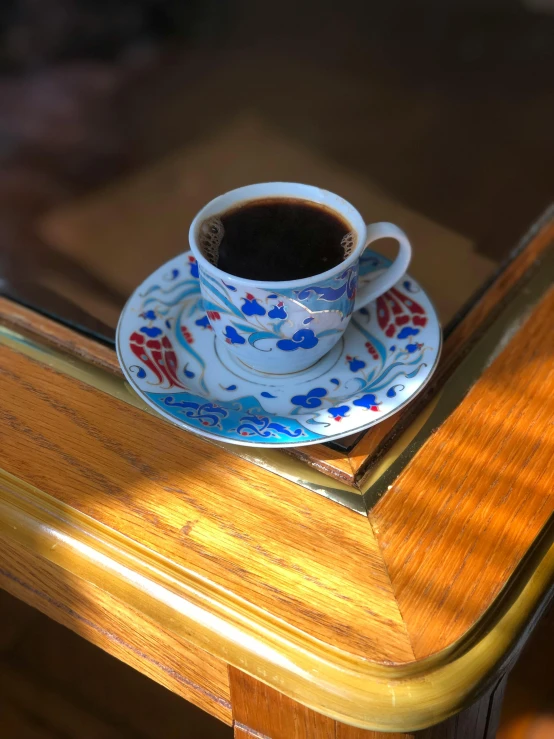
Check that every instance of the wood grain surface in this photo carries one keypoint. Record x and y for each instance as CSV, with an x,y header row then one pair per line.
x,y
261,711
377,440
57,335
258,708
244,528
330,609
458,522
123,632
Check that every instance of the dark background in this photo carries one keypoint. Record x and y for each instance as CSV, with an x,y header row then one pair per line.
x,y
448,107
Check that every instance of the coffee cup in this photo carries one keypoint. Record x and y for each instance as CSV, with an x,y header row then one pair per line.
x,y
286,326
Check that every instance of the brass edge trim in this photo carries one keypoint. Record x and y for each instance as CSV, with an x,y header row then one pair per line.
x,y
485,350
340,685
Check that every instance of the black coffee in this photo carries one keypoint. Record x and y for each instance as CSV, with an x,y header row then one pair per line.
x,y
281,239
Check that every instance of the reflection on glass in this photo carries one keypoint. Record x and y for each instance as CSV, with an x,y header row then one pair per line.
x,y
119,121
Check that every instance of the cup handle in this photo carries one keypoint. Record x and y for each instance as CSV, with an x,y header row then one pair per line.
x,y
392,274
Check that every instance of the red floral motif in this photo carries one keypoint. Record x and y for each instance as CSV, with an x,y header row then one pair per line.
x,y
213,315
371,350
394,309
158,355
187,335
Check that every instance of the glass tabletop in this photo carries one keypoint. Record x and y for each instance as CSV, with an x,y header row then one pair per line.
x,y
118,125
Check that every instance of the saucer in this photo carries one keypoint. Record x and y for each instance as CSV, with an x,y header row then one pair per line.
x,y
169,355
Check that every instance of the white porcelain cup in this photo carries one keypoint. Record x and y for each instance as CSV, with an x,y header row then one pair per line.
x,y
287,326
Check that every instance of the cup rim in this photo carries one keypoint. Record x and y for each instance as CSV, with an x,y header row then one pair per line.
x,y
353,215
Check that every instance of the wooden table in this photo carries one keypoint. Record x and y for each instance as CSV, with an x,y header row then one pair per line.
x,y
285,602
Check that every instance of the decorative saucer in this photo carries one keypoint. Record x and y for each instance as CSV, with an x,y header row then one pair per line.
x,y
169,355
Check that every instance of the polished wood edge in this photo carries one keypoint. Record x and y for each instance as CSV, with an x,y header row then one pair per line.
x,y
113,626
262,712
456,524
243,732
273,460
31,324
330,462
380,697
55,334
510,279
468,371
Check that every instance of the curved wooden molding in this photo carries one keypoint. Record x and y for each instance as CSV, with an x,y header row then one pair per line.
x,y
228,629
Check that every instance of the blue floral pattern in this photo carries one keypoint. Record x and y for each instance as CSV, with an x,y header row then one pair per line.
x,y
244,420
278,311
209,414
252,307
312,399
339,412
232,336
266,428
269,320
355,364
302,339
336,288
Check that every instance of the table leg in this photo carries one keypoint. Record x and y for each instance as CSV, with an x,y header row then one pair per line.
x,y
260,712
